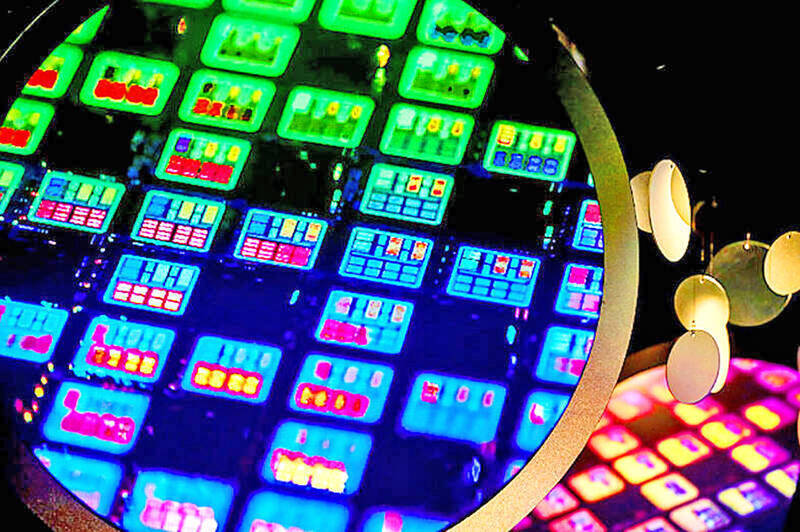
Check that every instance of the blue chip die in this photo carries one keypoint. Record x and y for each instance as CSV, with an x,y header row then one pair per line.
x,y
542,411
268,511
341,388
581,291
409,194
564,354
385,257
95,418
152,284
29,332
126,350
589,230
493,276
231,369
318,457
363,321
454,408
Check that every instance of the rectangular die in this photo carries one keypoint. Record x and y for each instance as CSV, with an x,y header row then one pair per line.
x,y
493,276
152,284
529,151
126,350
231,369
454,408
95,418
326,117
581,291
384,257
341,388
280,239
589,230
76,202
178,220
29,332
401,193
323,458
367,322
203,159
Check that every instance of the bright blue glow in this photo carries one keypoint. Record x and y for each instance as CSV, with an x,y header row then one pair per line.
x,y
95,482
454,408
287,240
401,193
163,220
369,384
75,417
542,412
231,357
295,296
365,322
493,276
106,335
29,332
292,513
512,469
318,443
151,284
394,521
153,488
385,257
589,231
511,334
564,353
581,291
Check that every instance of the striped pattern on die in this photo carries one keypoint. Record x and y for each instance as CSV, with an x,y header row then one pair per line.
x,y
177,220
581,291
589,230
152,284
76,202
281,239
385,257
407,194
493,276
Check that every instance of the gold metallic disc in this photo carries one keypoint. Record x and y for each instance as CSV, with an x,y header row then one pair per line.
x,y
739,267
701,303
693,366
782,264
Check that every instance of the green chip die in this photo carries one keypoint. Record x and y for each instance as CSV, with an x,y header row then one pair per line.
x,y
203,159
249,45
178,220
197,4
294,11
53,77
428,134
227,100
76,202
450,78
24,126
325,117
129,83
457,25
529,151
386,19
10,177
84,33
